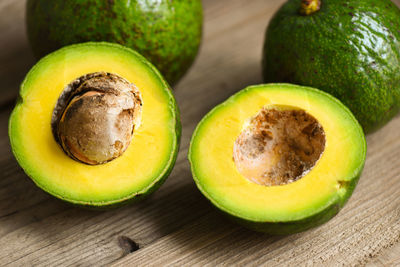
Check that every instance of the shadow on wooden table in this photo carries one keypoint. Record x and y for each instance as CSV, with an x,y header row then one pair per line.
x,y
15,55
13,67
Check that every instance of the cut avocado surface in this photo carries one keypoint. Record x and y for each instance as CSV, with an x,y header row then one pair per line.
x,y
278,158
348,48
95,125
168,33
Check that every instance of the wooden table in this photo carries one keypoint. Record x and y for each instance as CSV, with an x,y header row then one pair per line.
x,y
177,225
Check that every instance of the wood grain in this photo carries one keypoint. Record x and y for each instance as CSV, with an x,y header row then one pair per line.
x,y
176,225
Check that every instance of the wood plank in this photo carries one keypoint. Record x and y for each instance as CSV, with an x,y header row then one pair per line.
x,y
177,225
389,257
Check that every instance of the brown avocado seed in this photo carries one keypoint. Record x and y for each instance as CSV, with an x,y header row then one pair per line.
x,y
95,117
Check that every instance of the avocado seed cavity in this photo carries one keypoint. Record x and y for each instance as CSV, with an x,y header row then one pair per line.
x,y
279,146
95,117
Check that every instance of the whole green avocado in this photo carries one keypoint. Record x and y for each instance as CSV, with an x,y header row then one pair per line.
x,y
166,32
348,48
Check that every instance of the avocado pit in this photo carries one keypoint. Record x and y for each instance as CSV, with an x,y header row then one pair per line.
x,y
279,146
95,117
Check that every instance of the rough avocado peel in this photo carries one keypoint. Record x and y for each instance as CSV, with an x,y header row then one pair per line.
x,y
95,125
348,48
167,33
278,158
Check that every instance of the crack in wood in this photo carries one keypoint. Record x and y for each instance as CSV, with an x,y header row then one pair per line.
x,y
127,244
8,214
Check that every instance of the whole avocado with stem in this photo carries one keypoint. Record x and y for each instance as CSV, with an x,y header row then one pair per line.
x,y
168,33
348,48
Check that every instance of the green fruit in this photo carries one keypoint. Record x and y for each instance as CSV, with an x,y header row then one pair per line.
x,y
350,49
167,33
95,125
278,158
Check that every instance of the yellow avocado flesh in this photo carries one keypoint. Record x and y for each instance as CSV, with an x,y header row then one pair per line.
x,y
148,157
219,180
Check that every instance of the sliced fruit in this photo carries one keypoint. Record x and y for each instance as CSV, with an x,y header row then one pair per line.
x,y
278,158
95,125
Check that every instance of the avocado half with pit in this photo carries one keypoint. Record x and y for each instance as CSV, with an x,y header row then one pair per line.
x,y
95,124
278,158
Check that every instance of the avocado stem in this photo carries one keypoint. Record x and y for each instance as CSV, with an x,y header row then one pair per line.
x,y
309,7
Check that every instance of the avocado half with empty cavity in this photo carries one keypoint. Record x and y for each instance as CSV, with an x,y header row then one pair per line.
x,y
278,158
96,125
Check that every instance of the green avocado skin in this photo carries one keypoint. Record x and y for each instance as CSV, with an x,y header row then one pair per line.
x,y
168,33
349,48
292,227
